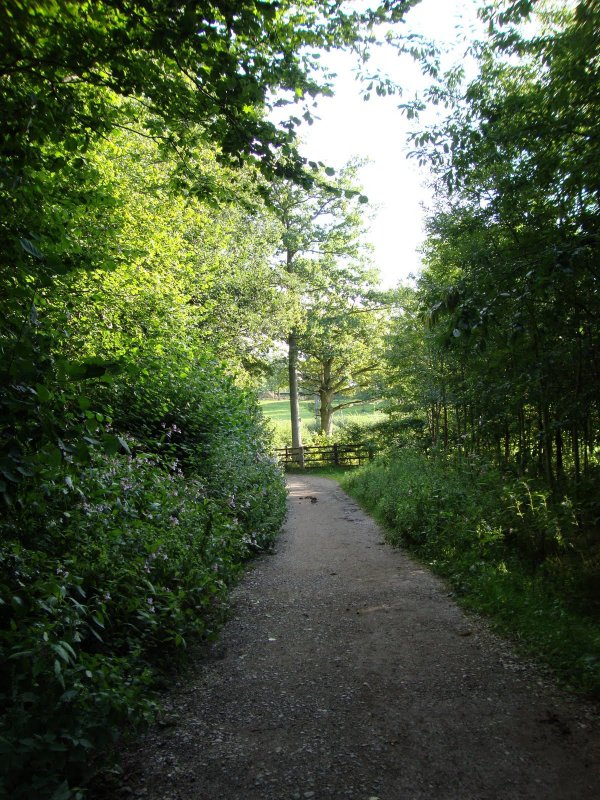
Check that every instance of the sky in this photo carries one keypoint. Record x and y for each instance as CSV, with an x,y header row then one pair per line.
x,y
347,126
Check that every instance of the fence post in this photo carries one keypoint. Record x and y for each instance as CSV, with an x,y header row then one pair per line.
x,y
336,459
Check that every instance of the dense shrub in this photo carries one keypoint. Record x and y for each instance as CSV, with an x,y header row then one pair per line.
x,y
108,570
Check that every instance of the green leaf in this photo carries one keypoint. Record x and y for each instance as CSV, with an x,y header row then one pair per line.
x,y
124,445
44,395
61,652
111,445
30,248
63,792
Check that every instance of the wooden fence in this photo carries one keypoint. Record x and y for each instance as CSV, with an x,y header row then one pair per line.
x,y
339,455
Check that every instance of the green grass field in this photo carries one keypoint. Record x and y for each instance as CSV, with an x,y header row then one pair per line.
x,y
278,412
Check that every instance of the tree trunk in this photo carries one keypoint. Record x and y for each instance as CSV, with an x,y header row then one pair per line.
x,y
326,395
295,398
431,421
459,441
547,445
586,446
445,420
558,442
326,412
576,460
522,445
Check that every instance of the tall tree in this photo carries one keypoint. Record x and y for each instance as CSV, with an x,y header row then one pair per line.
x,y
180,73
510,286
342,344
321,228
180,268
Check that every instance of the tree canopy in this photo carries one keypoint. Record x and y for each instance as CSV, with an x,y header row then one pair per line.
x,y
510,285
160,236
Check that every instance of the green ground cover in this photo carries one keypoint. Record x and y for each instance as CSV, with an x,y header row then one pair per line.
x,y
508,550
108,572
279,410
355,417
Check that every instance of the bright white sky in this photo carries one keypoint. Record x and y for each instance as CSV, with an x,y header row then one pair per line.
x,y
348,126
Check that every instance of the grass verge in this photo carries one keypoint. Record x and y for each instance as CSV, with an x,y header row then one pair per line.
x,y
504,549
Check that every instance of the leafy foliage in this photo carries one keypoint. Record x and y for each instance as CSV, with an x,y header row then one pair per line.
x,y
492,389
105,576
506,547
509,292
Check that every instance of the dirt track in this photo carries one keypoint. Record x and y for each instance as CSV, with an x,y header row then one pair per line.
x,y
347,671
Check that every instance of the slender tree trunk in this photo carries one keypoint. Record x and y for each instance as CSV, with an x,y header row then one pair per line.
x,y
529,447
521,460
326,395
445,420
586,446
432,423
558,442
540,442
295,397
547,443
576,460
468,417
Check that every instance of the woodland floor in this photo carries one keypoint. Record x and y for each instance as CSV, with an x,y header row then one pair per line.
x,y
347,671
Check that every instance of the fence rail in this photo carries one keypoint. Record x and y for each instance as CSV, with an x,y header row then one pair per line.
x,y
339,455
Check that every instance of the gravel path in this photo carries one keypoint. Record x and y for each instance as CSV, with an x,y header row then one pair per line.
x,y
347,671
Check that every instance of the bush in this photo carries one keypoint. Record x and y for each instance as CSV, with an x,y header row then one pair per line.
x,y
108,573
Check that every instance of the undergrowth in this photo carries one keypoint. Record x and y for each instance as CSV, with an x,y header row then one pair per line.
x,y
508,549
110,567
